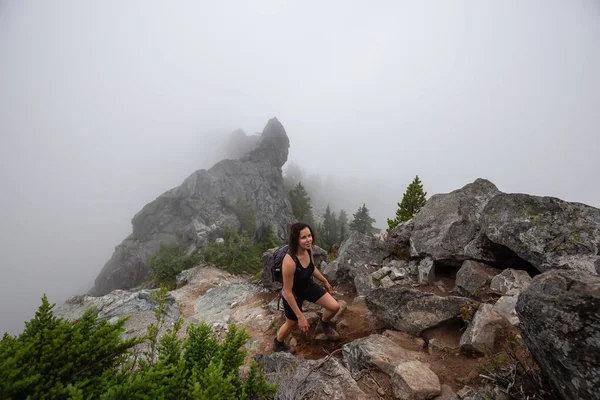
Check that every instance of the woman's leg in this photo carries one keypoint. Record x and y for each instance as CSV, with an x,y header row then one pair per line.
x,y
286,329
330,305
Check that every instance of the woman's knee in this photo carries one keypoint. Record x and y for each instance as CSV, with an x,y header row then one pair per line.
x,y
334,307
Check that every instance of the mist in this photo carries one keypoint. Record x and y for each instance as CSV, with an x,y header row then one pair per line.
x,y
105,105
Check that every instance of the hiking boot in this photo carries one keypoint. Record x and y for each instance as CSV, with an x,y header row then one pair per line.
x,y
282,346
327,331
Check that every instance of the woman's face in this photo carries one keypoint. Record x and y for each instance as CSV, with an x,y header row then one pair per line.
x,y
305,240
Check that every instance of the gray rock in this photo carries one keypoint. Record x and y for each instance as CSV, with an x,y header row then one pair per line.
x,y
481,331
315,379
215,306
505,307
472,276
559,316
396,264
548,233
447,227
381,272
426,271
413,380
509,280
358,253
358,300
182,277
411,310
398,273
446,394
375,351
386,282
138,306
186,213
364,284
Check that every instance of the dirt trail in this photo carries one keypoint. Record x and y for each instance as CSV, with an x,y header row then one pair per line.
x,y
453,368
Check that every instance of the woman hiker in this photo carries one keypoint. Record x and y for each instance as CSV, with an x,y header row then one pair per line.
x,y
297,269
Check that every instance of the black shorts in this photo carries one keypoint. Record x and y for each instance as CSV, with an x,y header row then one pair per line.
x,y
312,293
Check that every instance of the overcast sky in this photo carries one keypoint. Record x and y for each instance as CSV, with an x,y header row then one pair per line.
x,y
104,105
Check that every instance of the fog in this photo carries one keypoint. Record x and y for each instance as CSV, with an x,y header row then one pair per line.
x,y
104,105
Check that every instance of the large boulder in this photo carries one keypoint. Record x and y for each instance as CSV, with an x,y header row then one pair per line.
x,y
204,202
413,380
559,317
544,231
358,253
481,332
375,351
447,227
411,310
314,379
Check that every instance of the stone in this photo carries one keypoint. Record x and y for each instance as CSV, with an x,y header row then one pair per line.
x,y
381,272
559,314
510,279
481,331
358,253
375,351
426,271
358,300
411,310
398,273
386,282
363,282
300,379
505,307
545,232
473,276
446,394
413,380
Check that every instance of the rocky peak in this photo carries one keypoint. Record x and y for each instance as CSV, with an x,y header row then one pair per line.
x,y
272,147
203,203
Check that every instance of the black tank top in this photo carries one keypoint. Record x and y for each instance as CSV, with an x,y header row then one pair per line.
x,y
302,276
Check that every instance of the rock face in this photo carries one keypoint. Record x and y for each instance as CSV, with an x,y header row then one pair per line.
x,y
559,316
205,202
547,232
411,310
303,379
413,380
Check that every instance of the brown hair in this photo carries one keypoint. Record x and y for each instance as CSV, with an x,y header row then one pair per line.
x,y
295,235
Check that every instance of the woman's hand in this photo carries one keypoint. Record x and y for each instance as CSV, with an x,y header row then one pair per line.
x,y
328,287
303,323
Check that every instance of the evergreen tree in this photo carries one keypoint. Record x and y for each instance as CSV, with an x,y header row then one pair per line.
x,y
301,206
362,221
343,225
412,202
329,229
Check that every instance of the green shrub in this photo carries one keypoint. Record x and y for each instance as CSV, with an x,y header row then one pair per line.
x,y
87,359
167,262
238,254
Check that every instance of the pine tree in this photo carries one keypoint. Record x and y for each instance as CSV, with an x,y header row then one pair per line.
x,y
412,202
329,235
343,225
362,222
301,206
